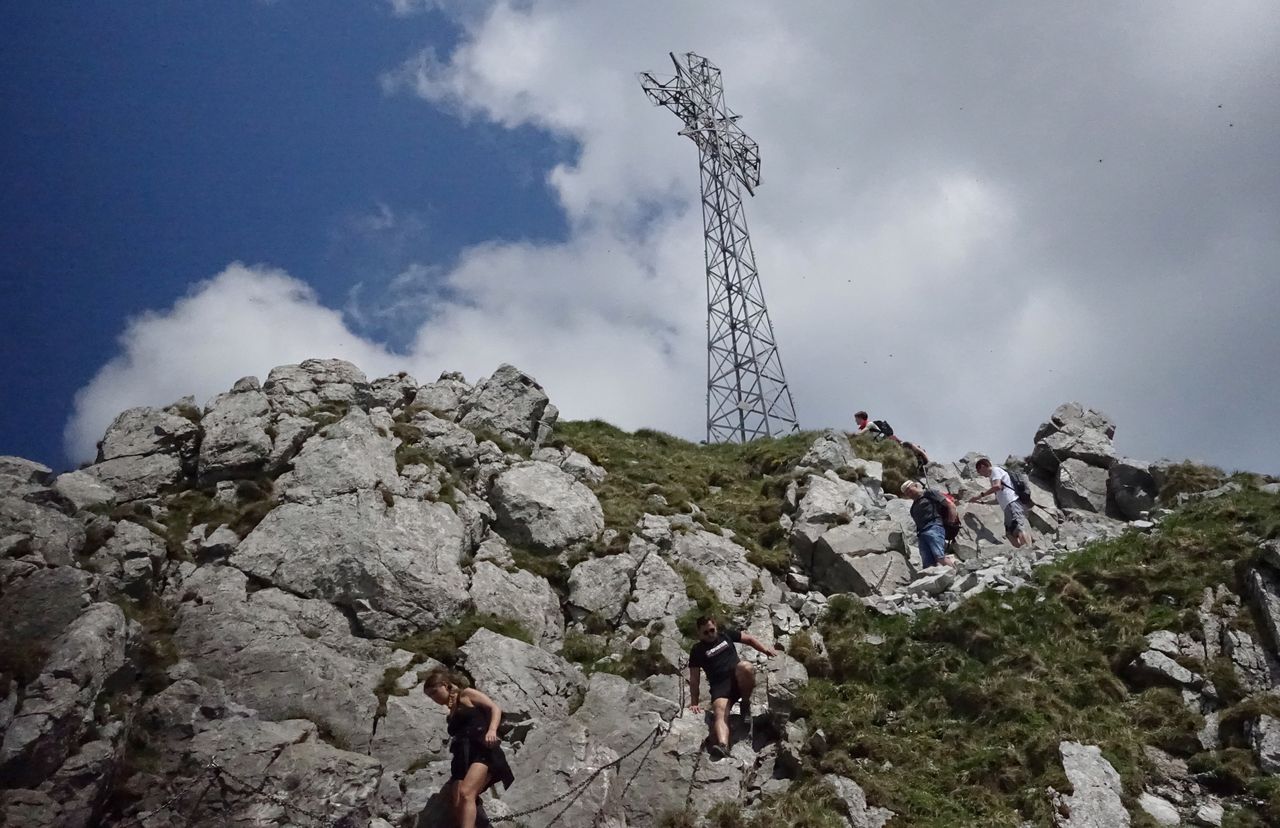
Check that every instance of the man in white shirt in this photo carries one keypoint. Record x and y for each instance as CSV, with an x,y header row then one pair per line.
x,y
1015,519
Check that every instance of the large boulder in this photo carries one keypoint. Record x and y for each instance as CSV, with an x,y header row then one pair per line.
x,y
357,453
445,440
83,490
1133,488
1074,432
285,656
393,392
539,505
297,389
142,431
862,558
532,686
42,530
57,706
397,566
662,771
521,596
1096,787
1081,486
235,441
37,609
831,450
724,566
659,591
601,586
510,403
445,396
853,801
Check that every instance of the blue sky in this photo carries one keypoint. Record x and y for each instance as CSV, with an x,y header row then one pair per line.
x,y
970,213
147,144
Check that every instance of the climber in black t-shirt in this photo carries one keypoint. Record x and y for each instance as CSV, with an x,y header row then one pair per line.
x,y
728,677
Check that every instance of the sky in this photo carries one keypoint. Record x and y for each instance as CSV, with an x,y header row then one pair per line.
x,y
970,212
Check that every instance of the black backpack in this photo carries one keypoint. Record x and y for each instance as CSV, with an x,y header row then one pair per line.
x,y
1021,487
884,427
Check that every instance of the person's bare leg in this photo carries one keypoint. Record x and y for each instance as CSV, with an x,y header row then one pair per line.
x,y
746,678
467,791
720,728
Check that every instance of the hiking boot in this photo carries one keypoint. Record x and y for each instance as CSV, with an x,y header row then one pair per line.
x,y
717,751
744,709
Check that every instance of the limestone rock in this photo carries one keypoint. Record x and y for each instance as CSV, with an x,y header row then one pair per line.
x,y
1074,432
414,729
1152,667
724,566
56,706
444,396
601,585
510,403
74,795
285,656
1095,801
1159,809
1264,591
539,505
859,558
44,531
134,477
783,678
831,450
296,389
659,592
357,453
402,561
854,803
235,440
83,489
530,684
1132,487
1264,735
445,440
38,608
520,596
393,392
1081,486
142,431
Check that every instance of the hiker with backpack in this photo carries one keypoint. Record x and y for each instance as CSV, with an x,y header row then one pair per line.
x,y
728,677
922,459
878,430
937,522
1013,494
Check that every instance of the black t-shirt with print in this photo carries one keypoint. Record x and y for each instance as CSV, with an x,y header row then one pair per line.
x,y
719,657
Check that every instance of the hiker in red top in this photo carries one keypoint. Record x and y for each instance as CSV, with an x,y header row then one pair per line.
x,y
878,429
728,677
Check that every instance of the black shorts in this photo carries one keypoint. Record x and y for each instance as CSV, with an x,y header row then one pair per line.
x,y
724,687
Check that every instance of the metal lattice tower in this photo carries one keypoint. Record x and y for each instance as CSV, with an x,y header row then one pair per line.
x,y
747,393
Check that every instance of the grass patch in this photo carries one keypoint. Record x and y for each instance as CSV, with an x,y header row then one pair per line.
x,y
442,644
327,413
737,485
1186,477
194,507
899,463
968,707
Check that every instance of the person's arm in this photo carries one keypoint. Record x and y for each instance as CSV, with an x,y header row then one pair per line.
x,y
990,491
495,713
756,644
695,681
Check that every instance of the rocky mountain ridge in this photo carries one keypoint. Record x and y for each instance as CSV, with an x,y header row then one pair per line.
x,y
225,619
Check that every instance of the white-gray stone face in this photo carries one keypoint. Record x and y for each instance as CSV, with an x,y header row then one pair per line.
x,y
403,561
539,505
141,431
1081,486
285,656
532,686
235,439
723,565
510,403
602,586
83,489
659,592
296,389
444,396
357,453
830,450
1095,801
520,596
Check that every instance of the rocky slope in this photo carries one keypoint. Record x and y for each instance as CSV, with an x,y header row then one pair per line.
x,y
226,618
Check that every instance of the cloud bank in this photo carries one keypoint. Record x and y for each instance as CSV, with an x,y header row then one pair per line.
x,y
969,215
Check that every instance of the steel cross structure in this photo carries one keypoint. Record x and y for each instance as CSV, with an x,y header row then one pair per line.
x,y
747,393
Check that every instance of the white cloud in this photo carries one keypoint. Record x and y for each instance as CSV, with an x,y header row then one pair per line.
x,y
970,214
245,320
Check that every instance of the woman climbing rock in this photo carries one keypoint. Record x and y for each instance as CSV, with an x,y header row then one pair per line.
x,y
478,760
